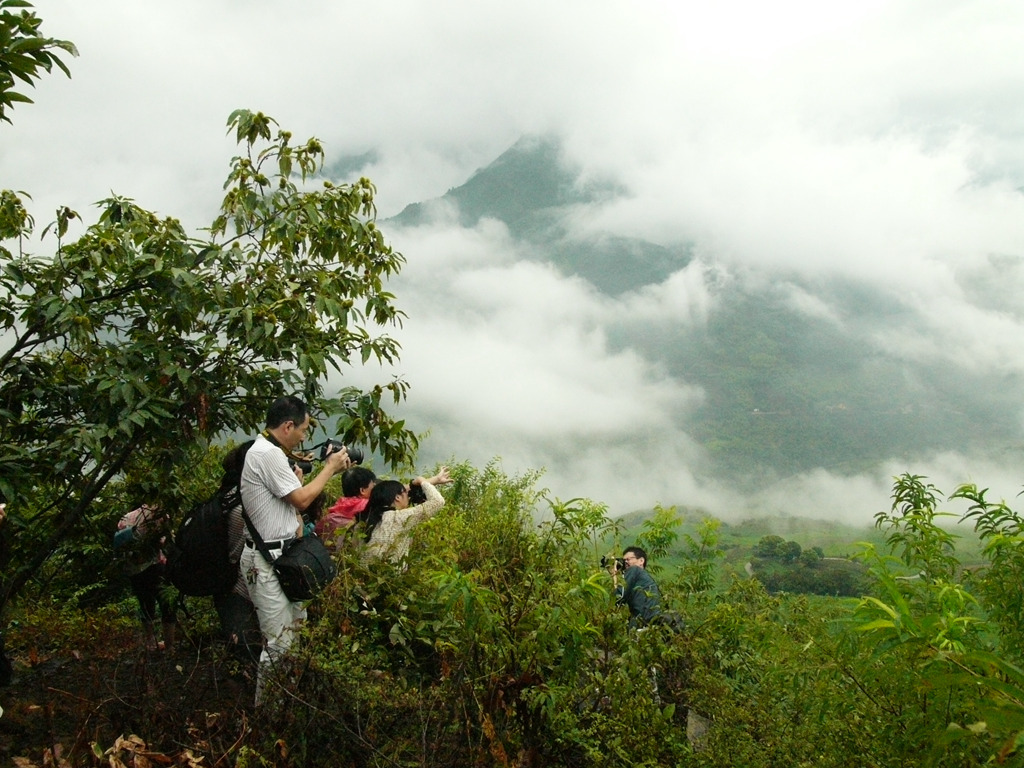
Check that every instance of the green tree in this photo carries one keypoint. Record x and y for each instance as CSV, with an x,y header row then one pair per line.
x,y
24,52
658,534
789,552
137,341
958,636
768,547
697,574
809,557
1001,530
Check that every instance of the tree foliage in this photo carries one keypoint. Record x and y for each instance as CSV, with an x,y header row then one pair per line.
x,y
701,552
136,341
768,546
959,632
25,53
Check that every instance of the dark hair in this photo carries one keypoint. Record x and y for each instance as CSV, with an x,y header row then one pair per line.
x,y
355,479
316,508
416,494
287,408
382,498
232,464
638,553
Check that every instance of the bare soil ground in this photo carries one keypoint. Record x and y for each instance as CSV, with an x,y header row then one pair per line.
x,y
184,704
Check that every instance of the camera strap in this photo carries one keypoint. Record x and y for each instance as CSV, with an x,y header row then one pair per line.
x,y
292,456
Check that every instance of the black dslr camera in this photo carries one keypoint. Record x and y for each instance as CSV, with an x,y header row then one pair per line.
x,y
330,445
620,564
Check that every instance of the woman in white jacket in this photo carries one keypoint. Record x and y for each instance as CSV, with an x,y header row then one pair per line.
x,y
388,519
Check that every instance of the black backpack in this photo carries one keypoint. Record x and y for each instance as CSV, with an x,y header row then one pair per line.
x,y
200,562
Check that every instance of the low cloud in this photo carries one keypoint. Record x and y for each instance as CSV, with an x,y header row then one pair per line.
x,y
513,347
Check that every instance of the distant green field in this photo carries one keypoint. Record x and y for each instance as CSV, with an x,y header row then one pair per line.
x,y
737,540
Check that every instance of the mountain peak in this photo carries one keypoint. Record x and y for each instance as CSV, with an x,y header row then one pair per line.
x,y
529,179
530,187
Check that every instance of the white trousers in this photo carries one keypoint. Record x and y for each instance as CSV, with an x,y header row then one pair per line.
x,y
279,617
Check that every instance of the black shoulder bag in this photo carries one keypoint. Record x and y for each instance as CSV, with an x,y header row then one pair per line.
x,y
304,566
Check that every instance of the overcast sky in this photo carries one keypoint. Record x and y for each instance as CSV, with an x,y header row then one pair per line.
x,y
878,140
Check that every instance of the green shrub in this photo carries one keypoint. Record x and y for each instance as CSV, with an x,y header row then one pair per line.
x,y
498,643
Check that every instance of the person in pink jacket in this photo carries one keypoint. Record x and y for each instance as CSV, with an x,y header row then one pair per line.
x,y
356,484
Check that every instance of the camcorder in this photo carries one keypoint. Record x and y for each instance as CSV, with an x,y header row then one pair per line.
x,y
328,446
607,560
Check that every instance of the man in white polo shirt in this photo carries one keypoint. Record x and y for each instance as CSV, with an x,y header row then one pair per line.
x,y
273,496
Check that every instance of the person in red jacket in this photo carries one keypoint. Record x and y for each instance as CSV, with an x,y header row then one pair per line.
x,y
356,484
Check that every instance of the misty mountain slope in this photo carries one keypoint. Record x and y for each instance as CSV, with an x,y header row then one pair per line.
x,y
531,191
794,371
791,392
